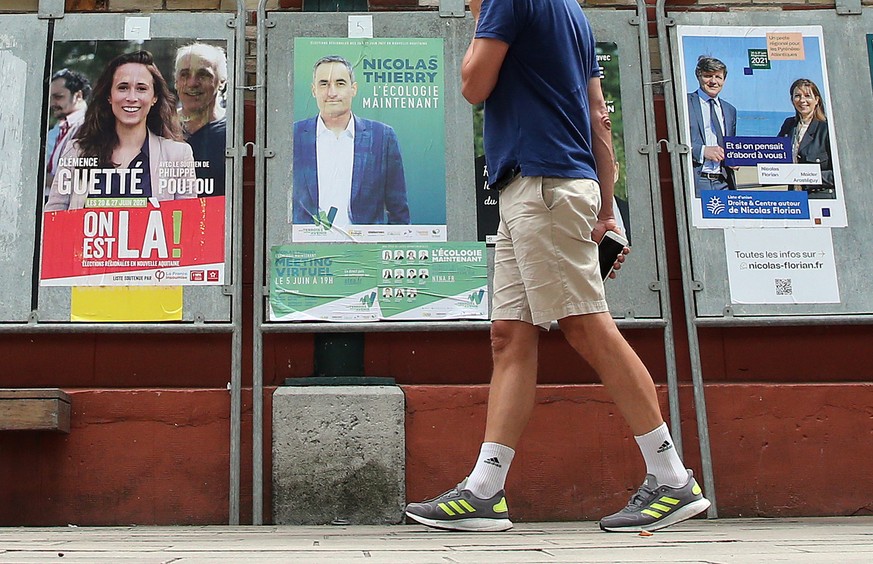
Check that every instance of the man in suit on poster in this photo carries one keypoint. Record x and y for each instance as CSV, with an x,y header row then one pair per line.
x,y
711,120
347,170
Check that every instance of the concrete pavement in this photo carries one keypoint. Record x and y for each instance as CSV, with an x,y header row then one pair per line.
x,y
807,540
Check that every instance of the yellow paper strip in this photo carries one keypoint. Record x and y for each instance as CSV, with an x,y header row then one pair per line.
x,y
126,303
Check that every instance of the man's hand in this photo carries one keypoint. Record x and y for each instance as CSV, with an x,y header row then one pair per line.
x,y
600,228
713,153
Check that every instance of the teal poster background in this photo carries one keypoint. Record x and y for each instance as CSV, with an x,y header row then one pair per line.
x,y
324,282
401,82
356,282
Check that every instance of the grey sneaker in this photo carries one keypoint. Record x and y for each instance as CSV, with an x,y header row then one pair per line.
x,y
459,510
654,507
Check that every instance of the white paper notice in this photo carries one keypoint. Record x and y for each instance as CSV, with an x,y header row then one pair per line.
x,y
789,174
781,266
360,26
137,28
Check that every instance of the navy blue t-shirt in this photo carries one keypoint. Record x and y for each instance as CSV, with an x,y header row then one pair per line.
x,y
536,118
209,144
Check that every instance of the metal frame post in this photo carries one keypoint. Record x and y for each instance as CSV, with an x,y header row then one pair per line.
x,y
663,281
688,285
237,254
258,272
50,9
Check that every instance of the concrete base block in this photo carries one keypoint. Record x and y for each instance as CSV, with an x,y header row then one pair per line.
x,y
339,454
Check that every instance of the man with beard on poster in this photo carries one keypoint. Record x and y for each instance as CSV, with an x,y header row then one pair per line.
x,y
68,99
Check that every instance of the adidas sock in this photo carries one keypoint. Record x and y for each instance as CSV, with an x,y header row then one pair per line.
x,y
662,460
489,474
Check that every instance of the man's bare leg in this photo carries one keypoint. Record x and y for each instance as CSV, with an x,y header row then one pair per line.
x,y
511,399
513,380
627,380
597,339
478,503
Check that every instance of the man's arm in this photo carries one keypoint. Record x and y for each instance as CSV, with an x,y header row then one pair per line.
x,y
56,200
695,127
604,159
482,62
304,187
604,156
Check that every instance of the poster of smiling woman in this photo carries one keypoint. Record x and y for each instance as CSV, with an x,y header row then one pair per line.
x,y
757,113
369,140
134,191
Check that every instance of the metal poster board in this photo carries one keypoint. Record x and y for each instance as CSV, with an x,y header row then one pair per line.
x,y
636,295
401,60
773,182
137,190
406,183
22,60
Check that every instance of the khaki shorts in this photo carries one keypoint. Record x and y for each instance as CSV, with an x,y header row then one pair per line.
x,y
545,262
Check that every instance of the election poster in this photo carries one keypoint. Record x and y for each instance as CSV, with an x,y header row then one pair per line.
x,y
359,282
369,140
757,114
434,281
135,180
487,200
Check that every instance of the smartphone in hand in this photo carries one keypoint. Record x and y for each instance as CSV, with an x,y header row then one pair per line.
x,y
609,248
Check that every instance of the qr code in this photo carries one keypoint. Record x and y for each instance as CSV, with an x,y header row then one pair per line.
x,y
783,286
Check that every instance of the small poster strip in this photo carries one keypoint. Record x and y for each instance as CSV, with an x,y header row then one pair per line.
x,y
354,282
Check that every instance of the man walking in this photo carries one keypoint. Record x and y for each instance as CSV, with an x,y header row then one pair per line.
x,y
547,136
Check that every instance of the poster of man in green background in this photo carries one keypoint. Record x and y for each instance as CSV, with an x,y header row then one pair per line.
x,y
369,140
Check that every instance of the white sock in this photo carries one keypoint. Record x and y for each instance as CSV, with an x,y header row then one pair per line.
x,y
662,460
489,474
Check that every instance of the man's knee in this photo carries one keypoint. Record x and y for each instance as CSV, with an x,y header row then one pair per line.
x,y
506,334
587,332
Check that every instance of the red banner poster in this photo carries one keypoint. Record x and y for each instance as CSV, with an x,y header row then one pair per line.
x,y
134,190
178,242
